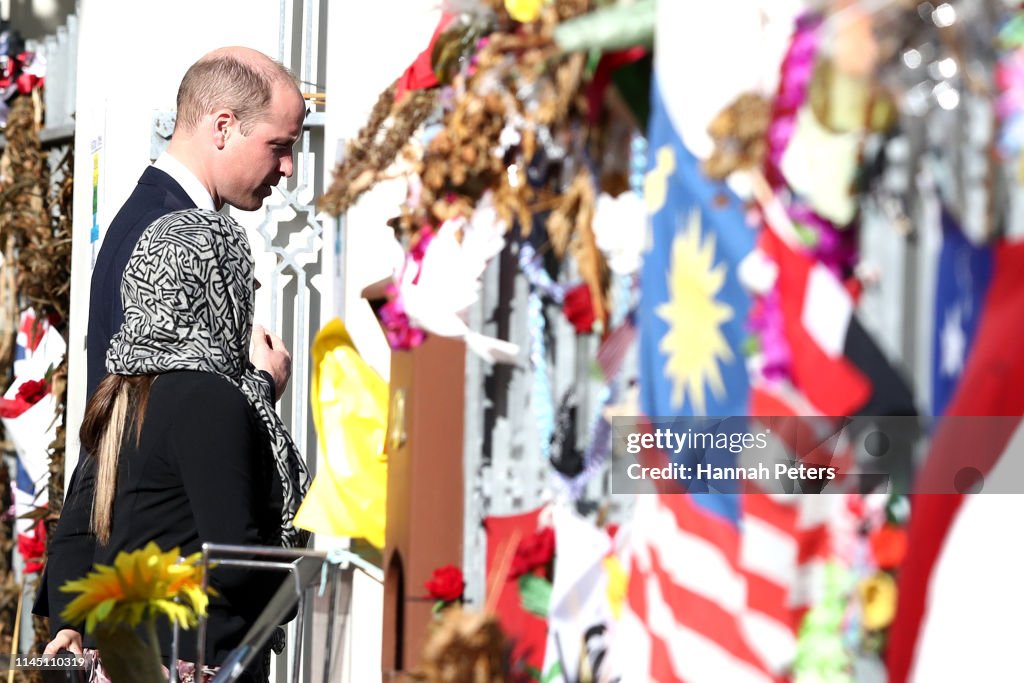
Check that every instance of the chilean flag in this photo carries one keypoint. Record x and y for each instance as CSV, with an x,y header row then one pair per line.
x,y
960,590
963,275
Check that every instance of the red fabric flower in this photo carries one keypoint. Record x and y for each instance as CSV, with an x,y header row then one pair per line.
x,y
889,546
536,550
446,584
32,391
579,308
420,74
32,547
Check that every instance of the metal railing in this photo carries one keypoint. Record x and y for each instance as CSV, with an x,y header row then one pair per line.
x,y
309,570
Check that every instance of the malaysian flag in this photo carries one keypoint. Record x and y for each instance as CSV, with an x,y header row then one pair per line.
x,y
719,583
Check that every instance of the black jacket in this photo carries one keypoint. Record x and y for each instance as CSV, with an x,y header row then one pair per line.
x,y
201,472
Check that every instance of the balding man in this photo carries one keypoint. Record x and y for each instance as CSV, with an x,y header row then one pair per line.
x,y
239,115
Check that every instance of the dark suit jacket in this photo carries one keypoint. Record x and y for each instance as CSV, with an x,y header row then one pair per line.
x,y
156,195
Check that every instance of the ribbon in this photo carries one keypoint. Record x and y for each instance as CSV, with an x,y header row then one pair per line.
x,y
543,393
542,397
529,264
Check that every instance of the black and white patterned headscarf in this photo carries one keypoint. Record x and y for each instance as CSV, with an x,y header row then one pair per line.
x,y
188,305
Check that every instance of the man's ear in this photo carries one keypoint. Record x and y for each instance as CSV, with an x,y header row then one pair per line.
x,y
223,122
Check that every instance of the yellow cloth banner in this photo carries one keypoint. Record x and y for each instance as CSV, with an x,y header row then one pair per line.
x,y
350,402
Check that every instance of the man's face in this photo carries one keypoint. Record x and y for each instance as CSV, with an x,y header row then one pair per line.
x,y
256,162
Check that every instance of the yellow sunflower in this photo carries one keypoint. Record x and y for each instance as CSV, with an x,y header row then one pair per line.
x,y
140,585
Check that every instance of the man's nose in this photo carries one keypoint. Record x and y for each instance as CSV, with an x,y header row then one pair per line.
x,y
287,165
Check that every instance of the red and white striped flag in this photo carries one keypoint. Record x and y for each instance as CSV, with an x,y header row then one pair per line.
x,y
719,583
708,601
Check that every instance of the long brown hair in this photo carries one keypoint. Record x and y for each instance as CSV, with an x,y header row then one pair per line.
x,y
118,403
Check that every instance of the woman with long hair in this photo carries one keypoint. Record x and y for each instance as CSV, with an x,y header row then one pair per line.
x,y
182,442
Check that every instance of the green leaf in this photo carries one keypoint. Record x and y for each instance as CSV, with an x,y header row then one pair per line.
x,y
533,672
535,594
553,673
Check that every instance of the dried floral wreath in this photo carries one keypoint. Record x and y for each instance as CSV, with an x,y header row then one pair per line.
x,y
507,118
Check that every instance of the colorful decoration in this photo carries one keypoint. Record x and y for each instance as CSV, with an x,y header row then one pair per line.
x,y
889,546
526,631
829,245
26,394
32,547
579,309
821,653
513,158
1009,77
500,150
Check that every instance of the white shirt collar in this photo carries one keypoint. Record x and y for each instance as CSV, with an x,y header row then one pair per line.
x,y
199,195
